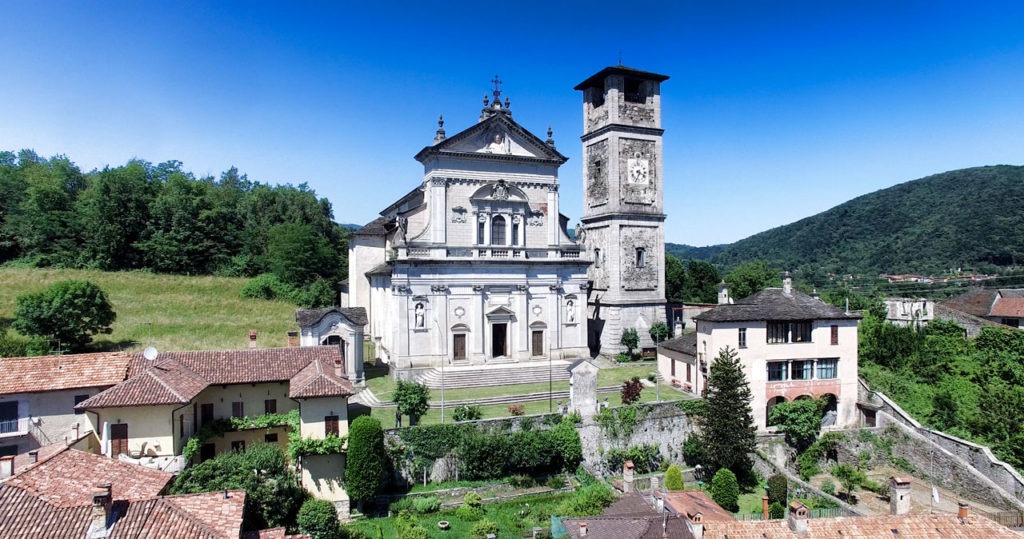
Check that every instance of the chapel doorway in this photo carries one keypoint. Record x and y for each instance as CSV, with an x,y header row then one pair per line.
x,y
499,340
538,343
459,346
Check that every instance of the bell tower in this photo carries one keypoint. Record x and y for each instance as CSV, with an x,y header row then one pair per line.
x,y
623,224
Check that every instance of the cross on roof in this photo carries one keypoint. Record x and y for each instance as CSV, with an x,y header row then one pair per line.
x,y
497,87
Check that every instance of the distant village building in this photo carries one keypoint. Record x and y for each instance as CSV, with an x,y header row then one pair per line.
x,y
1003,306
913,312
791,346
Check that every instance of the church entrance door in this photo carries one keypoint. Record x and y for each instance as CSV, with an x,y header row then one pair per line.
x,y
459,346
499,340
538,343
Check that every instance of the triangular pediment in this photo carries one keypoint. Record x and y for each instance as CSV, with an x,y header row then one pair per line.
x,y
498,136
501,311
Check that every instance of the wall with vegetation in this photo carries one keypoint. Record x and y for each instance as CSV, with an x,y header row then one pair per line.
x,y
662,424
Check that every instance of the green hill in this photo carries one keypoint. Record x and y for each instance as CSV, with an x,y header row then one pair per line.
x,y
170,312
971,218
689,252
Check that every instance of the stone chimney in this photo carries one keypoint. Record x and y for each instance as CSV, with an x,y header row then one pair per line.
x,y
293,339
963,511
695,524
627,477
33,456
6,466
583,529
723,294
102,500
764,508
899,495
798,518
252,338
787,283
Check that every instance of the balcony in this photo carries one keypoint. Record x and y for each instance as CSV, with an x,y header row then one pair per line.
x,y
14,427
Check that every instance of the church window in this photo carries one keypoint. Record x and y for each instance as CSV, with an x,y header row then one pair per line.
x,y
515,234
633,91
641,257
597,258
480,228
498,231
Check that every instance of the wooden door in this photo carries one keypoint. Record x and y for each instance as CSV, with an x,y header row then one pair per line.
x,y
459,346
331,425
538,343
119,439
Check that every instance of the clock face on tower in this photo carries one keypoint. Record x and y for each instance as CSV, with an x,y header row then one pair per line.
x,y
638,169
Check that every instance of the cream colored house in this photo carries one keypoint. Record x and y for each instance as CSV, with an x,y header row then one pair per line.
x,y
38,397
791,345
151,416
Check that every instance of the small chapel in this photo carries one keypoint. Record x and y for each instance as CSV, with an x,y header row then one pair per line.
x,y
476,264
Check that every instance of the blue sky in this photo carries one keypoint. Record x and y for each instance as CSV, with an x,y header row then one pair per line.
x,y
774,111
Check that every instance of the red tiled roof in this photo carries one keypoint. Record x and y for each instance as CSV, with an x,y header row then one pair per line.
x,y
54,373
689,502
177,377
977,302
319,379
1009,307
275,533
914,526
210,514
67,479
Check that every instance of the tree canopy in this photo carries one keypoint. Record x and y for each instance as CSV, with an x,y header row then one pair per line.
x,y
750,277
412,399
366,464
68,311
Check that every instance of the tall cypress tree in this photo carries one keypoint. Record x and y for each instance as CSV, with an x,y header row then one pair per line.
x,y
727,420
366,465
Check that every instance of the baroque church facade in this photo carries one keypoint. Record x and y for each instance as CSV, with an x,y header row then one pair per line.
x,y
476,265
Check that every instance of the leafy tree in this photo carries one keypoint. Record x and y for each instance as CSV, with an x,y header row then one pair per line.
x,y
299,256
727,420
750,277
366,465
725,490
799,420
659,330
675,279
674,478
702,280
273,495
113,212
68,311
848,476
631,390
412,399
630,340
319,519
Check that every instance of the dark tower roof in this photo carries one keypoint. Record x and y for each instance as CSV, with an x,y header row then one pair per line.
x,y
598,77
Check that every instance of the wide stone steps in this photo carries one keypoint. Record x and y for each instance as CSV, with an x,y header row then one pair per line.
x,y
495,375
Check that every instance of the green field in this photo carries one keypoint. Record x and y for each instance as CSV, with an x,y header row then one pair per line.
x,y
169,312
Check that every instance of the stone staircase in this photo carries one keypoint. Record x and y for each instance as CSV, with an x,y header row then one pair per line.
x,y
495,375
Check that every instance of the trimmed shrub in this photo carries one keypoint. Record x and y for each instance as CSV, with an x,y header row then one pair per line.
x,y
366,466
482,528
319,519
426,504
777,489
472,507
587,501
776,511
725,490
674,478
467,412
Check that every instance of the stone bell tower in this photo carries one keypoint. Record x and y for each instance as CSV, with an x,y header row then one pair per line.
x,y
623,224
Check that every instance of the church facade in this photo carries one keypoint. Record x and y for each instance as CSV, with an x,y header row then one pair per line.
x,y
474,265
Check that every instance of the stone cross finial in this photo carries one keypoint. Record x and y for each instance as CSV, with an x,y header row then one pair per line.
x,y
440,135
497,88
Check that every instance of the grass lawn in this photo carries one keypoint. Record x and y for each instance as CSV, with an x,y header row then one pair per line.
x,y
170,312
505,515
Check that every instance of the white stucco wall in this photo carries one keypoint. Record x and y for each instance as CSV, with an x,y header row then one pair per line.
x,y
46,417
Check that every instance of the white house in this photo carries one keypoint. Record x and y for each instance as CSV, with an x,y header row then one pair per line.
x,y
791,346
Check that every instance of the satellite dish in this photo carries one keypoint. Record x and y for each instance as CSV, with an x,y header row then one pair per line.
x,y
150,353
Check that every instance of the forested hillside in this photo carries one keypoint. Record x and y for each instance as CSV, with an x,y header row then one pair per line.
x,y
163,219
969,218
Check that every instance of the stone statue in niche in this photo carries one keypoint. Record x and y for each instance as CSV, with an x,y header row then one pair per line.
x,y
498,143
419,316
536,218
581,234
570,311
403,226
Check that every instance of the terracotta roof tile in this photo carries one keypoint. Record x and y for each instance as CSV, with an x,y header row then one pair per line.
x,y
1009,307
67,479
210,514
689,502
930,526
977,302
177,377
319,379
54,373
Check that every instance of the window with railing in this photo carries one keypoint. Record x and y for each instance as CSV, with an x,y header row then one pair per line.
x,y
8,417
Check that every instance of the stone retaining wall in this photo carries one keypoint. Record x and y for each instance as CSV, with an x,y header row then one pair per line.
x,y
663,424
957,464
